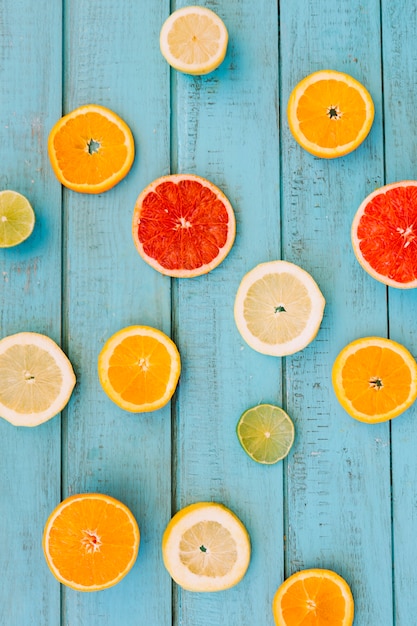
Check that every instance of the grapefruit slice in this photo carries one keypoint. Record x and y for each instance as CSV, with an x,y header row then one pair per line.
x,y
183,225
384,234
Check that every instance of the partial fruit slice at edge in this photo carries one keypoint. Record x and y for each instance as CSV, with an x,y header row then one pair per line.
x,y
205,547
194,40
183,225
266,433
330,113
375,379
384,234
90,541
278,308
138,368
17,218
36,379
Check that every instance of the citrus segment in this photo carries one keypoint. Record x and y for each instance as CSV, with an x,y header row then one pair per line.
x,y
313,597
17,218
36,379
266,433
138,368
194,40
375,379
205,547
91,149
278,308
384,234
330,113
183,225
90,541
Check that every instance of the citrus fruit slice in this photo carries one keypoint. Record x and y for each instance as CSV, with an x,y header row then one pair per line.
x,y
278,308
194,40
205,547
17,218
138,368
90,541
375,379
266,433
183,225
384,234
91,149
36,379
318,597
330,113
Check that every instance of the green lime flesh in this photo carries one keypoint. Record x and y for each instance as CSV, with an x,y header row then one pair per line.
x,y
266,433
17,218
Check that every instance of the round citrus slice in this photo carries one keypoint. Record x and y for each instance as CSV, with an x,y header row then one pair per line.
x,y
183,225
266,433
375,379
330,113
91,149
205,547
193,40
17,218
138,368
384,234
36,379
90,541
318,597
278,308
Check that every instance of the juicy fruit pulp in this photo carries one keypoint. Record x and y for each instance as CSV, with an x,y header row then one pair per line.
x,y
384,234
183,225
17,218
266,433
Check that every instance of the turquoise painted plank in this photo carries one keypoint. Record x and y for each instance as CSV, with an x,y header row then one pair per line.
x,y
226,124
112,58
338,480
400,63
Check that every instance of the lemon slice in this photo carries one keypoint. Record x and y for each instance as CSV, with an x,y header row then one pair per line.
x,y
278,308
194,40
266,433
36,379
206,547
17,218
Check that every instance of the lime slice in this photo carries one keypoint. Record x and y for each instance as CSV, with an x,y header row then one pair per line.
x,y
17,218
266,433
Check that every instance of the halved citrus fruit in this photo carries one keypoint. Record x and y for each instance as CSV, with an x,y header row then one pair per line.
x,y
313,597
36,379
375,379
194,40
17,218
278,308
266,433
183,225
205,547
91,149
138,368
384,234
90,541
330,113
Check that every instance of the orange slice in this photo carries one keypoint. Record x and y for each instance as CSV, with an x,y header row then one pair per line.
x,y
313,597
91,149
330,113
384,234
183,225
90,541
375,379
138,368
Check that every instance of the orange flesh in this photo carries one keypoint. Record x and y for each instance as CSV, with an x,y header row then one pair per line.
x,y
183,225
387,234
313,602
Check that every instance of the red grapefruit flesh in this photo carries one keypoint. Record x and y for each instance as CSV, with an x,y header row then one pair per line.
x,y
183,225
384,234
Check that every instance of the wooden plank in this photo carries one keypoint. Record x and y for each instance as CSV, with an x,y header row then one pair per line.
x,y
338,482
30,299
226,126
112,58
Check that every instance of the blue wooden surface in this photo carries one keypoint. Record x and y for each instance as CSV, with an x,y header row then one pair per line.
x,y
345,498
